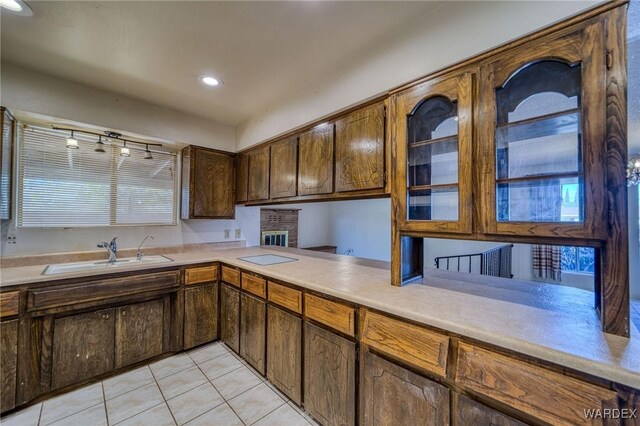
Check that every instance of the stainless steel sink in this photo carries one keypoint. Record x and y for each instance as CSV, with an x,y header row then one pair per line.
x,y
64,268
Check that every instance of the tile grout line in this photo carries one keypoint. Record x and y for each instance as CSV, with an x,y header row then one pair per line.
x,y
162,393
278,407
40,413
104,400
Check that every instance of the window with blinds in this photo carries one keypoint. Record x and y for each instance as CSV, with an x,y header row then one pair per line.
x,y
60,187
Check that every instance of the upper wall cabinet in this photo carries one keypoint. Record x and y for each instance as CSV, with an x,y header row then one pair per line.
x,y
433,148
315,165
242,177
284,155
208,189
542,136
259,174
360,157
6,155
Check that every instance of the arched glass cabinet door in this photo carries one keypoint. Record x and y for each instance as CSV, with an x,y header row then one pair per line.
x,y
542,133
433,149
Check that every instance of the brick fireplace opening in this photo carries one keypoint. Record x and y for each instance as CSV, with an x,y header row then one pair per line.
x,y
279,227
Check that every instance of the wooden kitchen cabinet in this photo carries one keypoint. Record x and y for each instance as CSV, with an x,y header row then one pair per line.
x,y
208,184
360,161
242,177
83,347
329,376
230,316
315,161
6,162
8,364
200,315
139,332
258,185
284,157
472,413
284,352
253,324
392,395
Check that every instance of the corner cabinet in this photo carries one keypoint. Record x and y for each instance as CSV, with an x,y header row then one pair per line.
x,y
208,184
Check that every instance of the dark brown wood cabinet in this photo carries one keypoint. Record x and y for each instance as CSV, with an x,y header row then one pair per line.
x,y
200,315
472,413
253,322
139,332
392,395
284,352
360,161
6,162
8,364
230,316
208,184
242,177
83,347
329,376
284,158
315,163
258,185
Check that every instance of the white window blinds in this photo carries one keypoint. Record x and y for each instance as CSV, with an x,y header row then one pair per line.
x,y
60,187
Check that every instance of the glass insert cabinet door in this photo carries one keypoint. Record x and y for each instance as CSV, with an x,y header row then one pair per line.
x,y
433,149
542,138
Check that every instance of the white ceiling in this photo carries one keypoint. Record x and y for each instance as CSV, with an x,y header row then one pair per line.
x,y
155,51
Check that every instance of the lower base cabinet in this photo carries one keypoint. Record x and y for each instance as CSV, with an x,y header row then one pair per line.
x,y
8,364
284,352
472,413
392,395
230,317
139,332
200,315
329,377
82,347
253,324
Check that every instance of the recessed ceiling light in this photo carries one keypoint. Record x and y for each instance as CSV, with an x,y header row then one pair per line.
x,y
210,81
17,7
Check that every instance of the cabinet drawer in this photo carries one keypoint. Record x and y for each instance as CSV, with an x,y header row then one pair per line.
x,y
254,285
231,276
201,275
335,315
285,297
85,292
410,343
544,394
9,304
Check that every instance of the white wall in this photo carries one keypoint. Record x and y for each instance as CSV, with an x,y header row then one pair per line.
x,y
455,31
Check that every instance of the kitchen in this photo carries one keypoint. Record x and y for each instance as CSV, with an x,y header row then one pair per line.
x,y
204,183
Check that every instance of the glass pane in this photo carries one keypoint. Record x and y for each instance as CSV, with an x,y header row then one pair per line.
x,y
433,204
433,118
434,163
540,200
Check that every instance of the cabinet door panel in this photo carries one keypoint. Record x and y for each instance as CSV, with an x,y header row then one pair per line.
x,y
253,328
213,189
200,315
9,357
284,155
329,377
284,352
83,347
472,413
391,395
315,164
230,317
259,174
360,150
242,176
139,332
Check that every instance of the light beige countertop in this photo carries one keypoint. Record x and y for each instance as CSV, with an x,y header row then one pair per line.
x,y
549,322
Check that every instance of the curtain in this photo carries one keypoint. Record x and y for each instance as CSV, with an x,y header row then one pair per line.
x,y
545,206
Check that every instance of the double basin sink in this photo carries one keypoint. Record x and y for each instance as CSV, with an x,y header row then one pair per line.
x,y
65,268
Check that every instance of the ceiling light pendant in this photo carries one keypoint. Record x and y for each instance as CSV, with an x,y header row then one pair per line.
x,y
124,151
72,143
147,153
99,145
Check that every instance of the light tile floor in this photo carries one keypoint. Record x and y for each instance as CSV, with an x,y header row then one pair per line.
x,y
210,385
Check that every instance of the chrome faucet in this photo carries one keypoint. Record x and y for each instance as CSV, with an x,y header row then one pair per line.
x,y
112,248
140,255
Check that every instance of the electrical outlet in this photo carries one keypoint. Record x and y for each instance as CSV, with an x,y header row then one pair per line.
x,y
227,234
238,233
11,239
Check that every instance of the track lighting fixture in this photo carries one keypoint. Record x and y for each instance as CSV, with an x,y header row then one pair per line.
x,y
147,153
99,145
124,151
72,143
114,137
